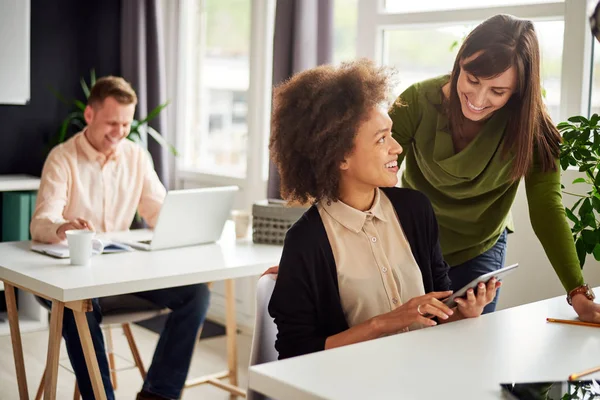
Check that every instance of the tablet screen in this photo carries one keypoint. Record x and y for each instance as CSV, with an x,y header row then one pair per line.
x,y
559,390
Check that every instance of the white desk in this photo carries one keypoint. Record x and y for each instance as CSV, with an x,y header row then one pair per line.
x,y
461,360
72,287
12,183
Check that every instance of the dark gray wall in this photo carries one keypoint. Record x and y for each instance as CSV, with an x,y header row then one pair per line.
x,y
68,38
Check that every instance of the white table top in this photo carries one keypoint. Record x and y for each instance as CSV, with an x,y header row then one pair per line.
x,y
11,183
461,360
111,274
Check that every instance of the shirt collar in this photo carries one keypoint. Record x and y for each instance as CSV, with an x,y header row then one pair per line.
x,y
351,218
92,154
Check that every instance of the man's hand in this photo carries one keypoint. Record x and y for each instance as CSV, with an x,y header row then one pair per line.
x,y
587,310
77,223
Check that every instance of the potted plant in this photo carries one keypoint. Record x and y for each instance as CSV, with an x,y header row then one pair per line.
x,y
581,149
76,118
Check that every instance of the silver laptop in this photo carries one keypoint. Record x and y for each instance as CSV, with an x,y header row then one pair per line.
x,y
190,217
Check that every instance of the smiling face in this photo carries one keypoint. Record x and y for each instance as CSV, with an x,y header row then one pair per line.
x,y
108,123
481,97
373,162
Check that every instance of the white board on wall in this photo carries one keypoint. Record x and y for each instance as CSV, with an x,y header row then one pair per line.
x,y
15,28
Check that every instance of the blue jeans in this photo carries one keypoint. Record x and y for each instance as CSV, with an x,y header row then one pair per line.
x,y
168,372
491,260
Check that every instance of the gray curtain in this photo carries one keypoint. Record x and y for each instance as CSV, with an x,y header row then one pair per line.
x,y
143,65
303,39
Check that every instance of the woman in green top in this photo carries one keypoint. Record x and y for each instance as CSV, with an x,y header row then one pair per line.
x,y
470,137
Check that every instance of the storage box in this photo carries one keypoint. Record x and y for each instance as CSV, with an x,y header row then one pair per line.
x,y
271,220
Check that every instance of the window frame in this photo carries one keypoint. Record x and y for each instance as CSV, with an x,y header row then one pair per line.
x,y
254,185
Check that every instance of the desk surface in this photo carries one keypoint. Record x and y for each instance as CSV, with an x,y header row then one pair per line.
x,y
461,360
11,183
112,274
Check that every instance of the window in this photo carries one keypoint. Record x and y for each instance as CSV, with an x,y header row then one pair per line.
x,y
216,140
224,80
404,6
345,15
595,84
442,44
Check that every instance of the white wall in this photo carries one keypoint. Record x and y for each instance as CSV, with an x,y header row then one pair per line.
x,y
535,278
15,46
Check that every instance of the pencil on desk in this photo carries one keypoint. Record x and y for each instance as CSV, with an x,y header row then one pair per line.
x,y
567,321
574,377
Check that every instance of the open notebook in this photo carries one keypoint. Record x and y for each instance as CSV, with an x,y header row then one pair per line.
x,y
61,250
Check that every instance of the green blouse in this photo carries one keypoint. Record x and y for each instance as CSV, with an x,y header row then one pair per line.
x,y
471,191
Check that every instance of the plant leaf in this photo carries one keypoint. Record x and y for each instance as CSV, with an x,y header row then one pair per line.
x,y
586,167
564,125
579,180
152,114
589,220
581,253
79,104
596,204
92,77
571,216
85,88
570,135
597,252
579,119
66,123
589,236
586,207
161,140
59,96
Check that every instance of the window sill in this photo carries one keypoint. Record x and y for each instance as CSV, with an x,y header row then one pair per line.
x,y
194,175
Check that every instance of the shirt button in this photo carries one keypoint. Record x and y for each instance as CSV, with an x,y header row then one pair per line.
x,y
384,269
395,300
373,239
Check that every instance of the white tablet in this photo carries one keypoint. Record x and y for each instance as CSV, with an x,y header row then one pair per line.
x,y
498,274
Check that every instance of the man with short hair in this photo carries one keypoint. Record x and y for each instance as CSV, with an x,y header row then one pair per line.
x,y
97,180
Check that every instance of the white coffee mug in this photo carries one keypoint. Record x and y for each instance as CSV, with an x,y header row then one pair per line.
x,y
82,246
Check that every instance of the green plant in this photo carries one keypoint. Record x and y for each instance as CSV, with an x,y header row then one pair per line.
x,y
76,118
581,149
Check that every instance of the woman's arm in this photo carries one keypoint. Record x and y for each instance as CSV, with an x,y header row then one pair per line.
x,y
396,320
293,304
547,215
549,223
405,115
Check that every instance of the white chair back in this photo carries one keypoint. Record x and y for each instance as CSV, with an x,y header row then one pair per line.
x,y
265,330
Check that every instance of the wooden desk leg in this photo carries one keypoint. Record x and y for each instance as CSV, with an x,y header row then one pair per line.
x,y
231,330
89,354
56,323
15,335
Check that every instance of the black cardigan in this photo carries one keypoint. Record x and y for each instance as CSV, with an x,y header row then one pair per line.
x,y
306,303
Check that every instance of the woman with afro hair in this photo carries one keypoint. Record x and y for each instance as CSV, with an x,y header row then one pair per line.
x,y
364,261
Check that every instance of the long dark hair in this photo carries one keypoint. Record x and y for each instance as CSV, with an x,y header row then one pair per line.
x,y
503,41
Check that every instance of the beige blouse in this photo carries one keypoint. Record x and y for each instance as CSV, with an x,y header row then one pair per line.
x,y
376,269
